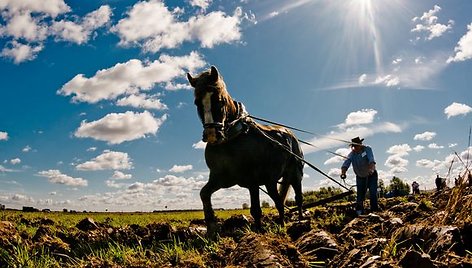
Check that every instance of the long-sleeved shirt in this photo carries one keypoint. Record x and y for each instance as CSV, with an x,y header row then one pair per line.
x,y
360,161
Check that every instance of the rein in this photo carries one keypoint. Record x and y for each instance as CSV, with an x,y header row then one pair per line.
x,y
298,157
301,130
304,131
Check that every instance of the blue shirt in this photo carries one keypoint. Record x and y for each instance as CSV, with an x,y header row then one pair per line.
x,y
360,161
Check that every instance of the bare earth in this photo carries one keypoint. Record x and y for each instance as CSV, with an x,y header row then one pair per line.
x,y
427,230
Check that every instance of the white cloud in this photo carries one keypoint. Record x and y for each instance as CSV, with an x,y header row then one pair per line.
x,y
114,184
3,136
464,47
364,116
23,26
142,101
26,149
152,26
203,4
425,136
180,169
117,128
129,78
21,52
429,24
362,79
15,161
425,163
456,109
452,145
388,80
50,7
332,139
418,148
108,160
118,175
169,192
55,176
4,169
32,22
273,14
397,61
400,150
408,73
435,146
22,198
92,149
397,163
199,145
338,159
81,32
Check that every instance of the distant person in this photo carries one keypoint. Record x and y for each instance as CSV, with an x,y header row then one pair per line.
x,y
416,187
363,163
439,183
456,181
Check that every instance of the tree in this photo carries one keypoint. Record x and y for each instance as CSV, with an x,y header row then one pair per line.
x,y
245,206
397,187
382,188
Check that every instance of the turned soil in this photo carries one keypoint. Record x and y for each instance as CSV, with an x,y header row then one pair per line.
x,y
426,230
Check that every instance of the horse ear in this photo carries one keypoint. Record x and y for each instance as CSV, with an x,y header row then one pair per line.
x,y
214,73
191,80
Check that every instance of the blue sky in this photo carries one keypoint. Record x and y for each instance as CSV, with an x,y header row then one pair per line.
x,y
96,112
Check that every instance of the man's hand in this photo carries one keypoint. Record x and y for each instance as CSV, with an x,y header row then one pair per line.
x,y
371,168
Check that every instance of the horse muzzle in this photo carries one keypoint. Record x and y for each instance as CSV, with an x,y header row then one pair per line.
x,y
213,133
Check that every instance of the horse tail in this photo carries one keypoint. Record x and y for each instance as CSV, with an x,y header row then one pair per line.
x,y
294,173
297,149
283,189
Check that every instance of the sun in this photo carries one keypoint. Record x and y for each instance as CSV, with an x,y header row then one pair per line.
x,y
362,13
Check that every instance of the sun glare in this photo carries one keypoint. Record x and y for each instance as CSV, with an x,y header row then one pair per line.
x,y
363,13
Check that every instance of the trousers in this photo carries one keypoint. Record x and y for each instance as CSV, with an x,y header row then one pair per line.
x,y
364,183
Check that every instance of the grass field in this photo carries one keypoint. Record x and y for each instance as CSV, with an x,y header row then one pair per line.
x,y
118,219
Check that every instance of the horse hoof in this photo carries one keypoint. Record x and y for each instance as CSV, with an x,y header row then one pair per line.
x,y
212,230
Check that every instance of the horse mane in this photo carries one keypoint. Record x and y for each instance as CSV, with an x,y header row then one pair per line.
x,y
218,86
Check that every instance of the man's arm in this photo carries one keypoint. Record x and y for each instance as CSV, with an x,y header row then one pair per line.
x,y
370,157
345,166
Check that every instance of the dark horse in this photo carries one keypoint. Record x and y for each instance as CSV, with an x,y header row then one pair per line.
x,y
240,151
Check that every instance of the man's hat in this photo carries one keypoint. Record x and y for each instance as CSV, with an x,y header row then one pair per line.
x,y
356,141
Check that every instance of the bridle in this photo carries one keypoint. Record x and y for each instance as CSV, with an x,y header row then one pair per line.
x,y
228,129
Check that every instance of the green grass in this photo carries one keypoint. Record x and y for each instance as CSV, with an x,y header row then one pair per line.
x,y
23,257
116,219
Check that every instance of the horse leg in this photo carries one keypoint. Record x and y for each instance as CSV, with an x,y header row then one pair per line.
x,y
272,191
256,211
297,188
210,219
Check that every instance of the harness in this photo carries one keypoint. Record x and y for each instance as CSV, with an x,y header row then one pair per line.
x,y
238,126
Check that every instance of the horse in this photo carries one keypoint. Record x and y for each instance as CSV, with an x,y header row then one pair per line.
x,y
241,152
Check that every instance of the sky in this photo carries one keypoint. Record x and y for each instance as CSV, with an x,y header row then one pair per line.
x,y
96,113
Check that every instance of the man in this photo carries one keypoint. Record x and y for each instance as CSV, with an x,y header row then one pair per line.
x,y
416,187
363,163
439,183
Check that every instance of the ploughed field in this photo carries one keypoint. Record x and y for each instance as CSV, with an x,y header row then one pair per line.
x,y
427,230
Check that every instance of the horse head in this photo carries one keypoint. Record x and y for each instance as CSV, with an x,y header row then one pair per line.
x,y
215,106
